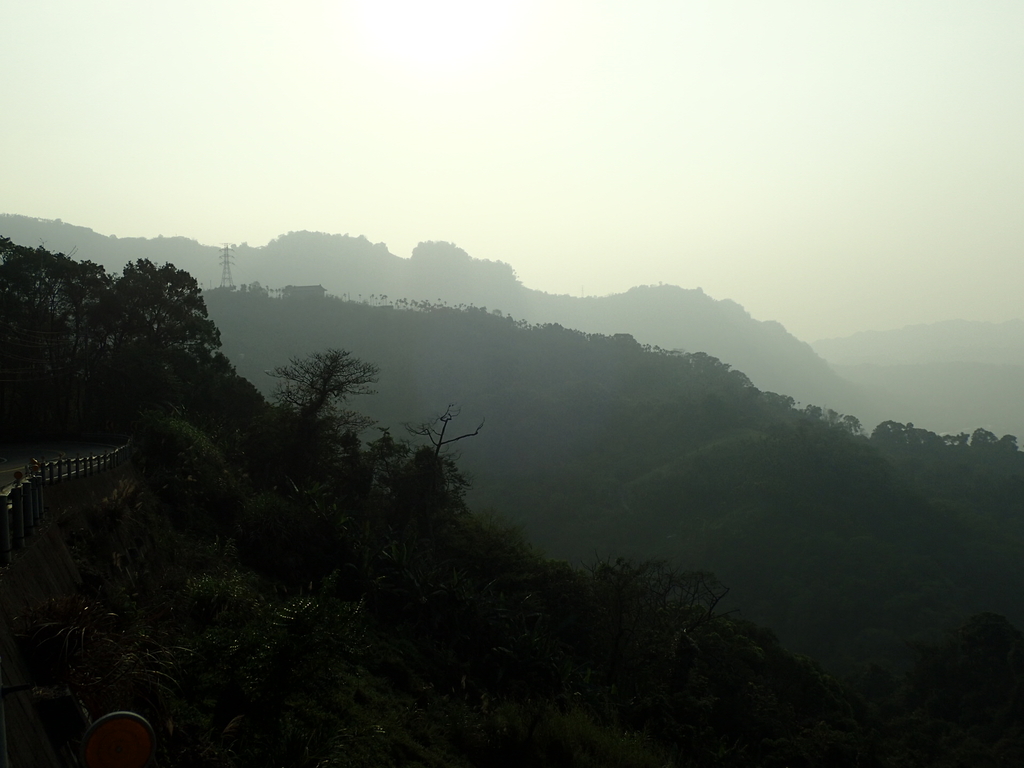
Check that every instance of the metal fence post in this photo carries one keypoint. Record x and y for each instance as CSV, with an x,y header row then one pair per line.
x,y
18,516
28,503
37,506
5,530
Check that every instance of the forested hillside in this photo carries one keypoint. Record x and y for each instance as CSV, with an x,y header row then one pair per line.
x,y
601,446
274,587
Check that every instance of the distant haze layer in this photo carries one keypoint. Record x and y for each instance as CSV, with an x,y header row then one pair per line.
x,y
836,167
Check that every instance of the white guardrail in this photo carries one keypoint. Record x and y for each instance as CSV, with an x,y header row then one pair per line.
x,y
22,502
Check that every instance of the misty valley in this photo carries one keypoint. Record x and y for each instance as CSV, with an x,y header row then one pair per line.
x,y
408,512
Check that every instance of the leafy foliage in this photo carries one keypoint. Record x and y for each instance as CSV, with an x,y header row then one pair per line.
x,y
87,350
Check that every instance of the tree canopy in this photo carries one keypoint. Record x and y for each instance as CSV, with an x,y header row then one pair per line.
x,y
86,350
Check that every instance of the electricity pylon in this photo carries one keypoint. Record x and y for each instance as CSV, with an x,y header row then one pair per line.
x,y
225,266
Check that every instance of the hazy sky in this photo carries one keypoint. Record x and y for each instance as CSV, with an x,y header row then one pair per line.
x,y
837,166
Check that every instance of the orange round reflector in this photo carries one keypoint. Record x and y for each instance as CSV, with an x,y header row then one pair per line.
x,y
18,475
119,740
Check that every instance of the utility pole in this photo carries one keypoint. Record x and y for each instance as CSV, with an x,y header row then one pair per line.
x,y
225,266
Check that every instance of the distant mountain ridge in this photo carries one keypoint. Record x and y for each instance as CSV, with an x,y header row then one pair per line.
x,y
949,341
945,377
664,315
951,376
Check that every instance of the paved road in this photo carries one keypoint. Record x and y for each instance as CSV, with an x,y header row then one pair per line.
x,y
14,457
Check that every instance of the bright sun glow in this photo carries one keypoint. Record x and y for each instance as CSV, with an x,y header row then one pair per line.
x,y
435,34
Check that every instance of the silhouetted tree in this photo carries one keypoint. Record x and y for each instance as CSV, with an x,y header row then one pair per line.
x,y
307,431
315,386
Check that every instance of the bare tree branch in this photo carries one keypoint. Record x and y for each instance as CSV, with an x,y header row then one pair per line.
x,y
437,437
